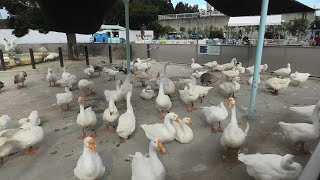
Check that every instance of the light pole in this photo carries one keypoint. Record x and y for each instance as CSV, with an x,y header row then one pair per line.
x,y
126,6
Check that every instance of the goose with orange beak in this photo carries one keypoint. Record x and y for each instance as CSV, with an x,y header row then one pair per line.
x,y
86,118
149,167
189,95
89,165
163,131
110,115
184,133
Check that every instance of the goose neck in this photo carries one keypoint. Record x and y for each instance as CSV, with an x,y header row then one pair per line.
x,y
315,115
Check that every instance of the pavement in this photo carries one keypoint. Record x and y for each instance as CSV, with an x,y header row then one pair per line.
x,y
201,159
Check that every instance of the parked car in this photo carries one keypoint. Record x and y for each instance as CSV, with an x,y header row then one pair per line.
x,y
194,36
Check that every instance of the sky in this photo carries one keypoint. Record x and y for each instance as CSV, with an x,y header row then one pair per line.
x,y
202,5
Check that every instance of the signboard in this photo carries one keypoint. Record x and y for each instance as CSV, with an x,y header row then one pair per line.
x,y
203,49
214,50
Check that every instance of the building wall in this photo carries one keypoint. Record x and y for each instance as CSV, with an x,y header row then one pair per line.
x,y
291,16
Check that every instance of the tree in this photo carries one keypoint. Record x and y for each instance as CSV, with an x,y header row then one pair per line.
x,y
157,29
25,15
297,27
315,24
142,12
189,31
182,29
185,8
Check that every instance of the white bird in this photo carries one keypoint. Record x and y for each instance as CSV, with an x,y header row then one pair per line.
x,y
89,71
263,68
305,111
110,115
149,167
303,132
231,87
65,74
33,118
189,95
275,84
299,77
184,133
127,85
168,85
199,73
64,99
116,95
211,65
5,122
240,68
51,57
227,66
163,102
215,114
231,73
141,66
127,121
271,166
147,93
68,81
86,118
250,81
89,165
283,71
86,86
110,73
51,77
195,66
10,47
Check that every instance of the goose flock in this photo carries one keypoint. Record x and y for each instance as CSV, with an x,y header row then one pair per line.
x,y
170,127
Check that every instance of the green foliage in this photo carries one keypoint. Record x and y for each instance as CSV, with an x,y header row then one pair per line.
x,y
216,33
316,23
189,31
157,28
182,29
167,29
297,27
24,15
185,8
141,13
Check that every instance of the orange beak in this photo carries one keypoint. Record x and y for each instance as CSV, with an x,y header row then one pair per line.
x,y
178,120
190,121
162,149
91,146
230,103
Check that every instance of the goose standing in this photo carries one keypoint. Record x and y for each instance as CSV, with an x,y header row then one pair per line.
x,y
149,167
33,118
51,78
127,121
227,66
231,87
231,73
89,165
263,68
164,131
305,111
112,74
195,66
86,86
163,102
64,98
271,166
240,68
65,74
89,71
233,137
69,80
215,114
299,77
299,133
86,118
275,84
20,78
142,76
110,115
5,122
127,85
211,65
116,95
189,95
184,133
168,85
283,71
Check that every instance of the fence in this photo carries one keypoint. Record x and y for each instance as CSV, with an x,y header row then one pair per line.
x,y
302,59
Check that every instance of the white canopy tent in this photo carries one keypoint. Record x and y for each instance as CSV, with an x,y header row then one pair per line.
x,y
254,20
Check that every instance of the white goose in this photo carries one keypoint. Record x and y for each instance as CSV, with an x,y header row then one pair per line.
x,y
271,166
89,165
263,68
64,99
195,66
202,91
164,131
33,118
227,66
89,71
233,137
142,76
305,111
65,73
231,73
116,95
127,85
299,133
163,102
299,77
250,81
147,93
110,73
141,66
211,65
240,68
69,80
51,78
275,84
231,87
283,71
5,122
110,115
168,85
86,118
215,114
184,133
149,167
189,95
198,74
86,86
127,121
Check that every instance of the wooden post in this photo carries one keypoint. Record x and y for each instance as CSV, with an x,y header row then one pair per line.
x,y
86,54
60,57
110,54
148,51
3,65
33,63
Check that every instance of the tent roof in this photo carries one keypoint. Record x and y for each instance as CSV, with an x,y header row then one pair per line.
x,y
253,20
253,7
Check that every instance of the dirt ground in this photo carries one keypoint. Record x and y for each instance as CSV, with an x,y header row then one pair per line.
x,y
201,159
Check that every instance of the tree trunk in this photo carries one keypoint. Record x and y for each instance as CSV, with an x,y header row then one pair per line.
x,y
72,46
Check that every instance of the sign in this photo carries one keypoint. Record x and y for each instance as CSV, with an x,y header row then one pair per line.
x,y
214,50
203,49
